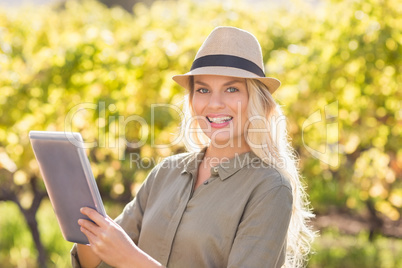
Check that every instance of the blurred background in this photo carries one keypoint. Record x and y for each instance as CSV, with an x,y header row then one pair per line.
x,y
96,67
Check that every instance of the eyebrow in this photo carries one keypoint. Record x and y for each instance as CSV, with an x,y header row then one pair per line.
x,y
231,82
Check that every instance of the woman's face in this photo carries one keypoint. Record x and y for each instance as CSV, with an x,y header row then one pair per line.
x,y
220,106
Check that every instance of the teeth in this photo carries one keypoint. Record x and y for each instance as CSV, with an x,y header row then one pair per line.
x,y
219,120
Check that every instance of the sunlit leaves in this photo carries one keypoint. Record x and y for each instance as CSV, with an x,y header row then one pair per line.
x,y
115,65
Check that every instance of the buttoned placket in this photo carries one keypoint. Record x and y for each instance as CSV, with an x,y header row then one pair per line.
x,y
176,219
205,184
214,174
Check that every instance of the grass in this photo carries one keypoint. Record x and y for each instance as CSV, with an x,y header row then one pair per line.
x,y
334,250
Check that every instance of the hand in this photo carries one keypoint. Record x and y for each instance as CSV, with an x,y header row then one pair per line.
x,y
108,240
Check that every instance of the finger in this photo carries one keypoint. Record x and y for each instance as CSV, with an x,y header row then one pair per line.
x,y
94,215
113,225
89,225
88,233
91,237
110,220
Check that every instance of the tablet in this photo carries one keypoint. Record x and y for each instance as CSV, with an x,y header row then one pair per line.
x,y
68,179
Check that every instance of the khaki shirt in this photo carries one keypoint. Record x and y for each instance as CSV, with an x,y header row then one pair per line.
x,y
239,217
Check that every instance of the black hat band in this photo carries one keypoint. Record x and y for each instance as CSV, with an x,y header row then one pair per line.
x,y
227,61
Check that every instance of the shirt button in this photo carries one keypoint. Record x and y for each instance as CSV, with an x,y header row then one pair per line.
x,y
206,182
216,169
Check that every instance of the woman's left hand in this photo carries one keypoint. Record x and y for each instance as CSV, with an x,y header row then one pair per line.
x,y
111,243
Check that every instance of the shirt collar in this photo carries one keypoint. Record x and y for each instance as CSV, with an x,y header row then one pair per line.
x,y
192,164
230,166
226,168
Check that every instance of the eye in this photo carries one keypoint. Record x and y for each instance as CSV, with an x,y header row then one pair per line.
x,y
202,90
232,89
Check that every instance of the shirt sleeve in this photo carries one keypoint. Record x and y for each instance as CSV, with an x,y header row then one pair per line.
x,y
130,219
261,236
75,263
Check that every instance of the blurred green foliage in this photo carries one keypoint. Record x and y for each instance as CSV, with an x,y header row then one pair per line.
x,y
85,67
334,250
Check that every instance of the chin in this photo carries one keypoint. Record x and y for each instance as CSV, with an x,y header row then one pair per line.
x,y
221,140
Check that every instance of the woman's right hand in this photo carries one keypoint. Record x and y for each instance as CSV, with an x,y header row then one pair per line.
x,y
110,243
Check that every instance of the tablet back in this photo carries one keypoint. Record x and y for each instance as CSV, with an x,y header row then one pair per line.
x,y
68,179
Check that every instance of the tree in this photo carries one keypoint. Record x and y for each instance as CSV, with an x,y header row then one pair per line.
x,y
98,71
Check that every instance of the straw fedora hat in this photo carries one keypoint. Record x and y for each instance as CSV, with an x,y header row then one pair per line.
x,y
232,52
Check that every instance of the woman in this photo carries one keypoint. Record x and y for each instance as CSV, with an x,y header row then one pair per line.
x,y
234,201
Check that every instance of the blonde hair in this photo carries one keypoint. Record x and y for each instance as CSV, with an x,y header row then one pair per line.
x,y
273,147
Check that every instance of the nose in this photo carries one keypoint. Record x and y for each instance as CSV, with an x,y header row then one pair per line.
x,y
216,101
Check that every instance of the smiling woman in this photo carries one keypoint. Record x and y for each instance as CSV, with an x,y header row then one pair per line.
x,y
234,200
220,106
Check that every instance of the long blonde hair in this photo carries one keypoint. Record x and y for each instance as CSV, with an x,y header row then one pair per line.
x,y
273,147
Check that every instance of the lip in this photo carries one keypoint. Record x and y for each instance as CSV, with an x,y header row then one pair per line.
x,y
218,115
219,125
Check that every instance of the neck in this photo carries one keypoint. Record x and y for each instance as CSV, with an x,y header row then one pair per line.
x,y
225,152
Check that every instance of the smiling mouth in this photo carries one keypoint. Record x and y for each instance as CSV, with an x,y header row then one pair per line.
x,y
219,120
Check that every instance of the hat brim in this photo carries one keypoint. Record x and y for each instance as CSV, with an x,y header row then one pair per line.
x,y
184,79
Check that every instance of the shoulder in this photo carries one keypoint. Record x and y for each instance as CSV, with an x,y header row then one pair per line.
x,y
169,169
280,177
268,176
181,160
176,164
267,185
